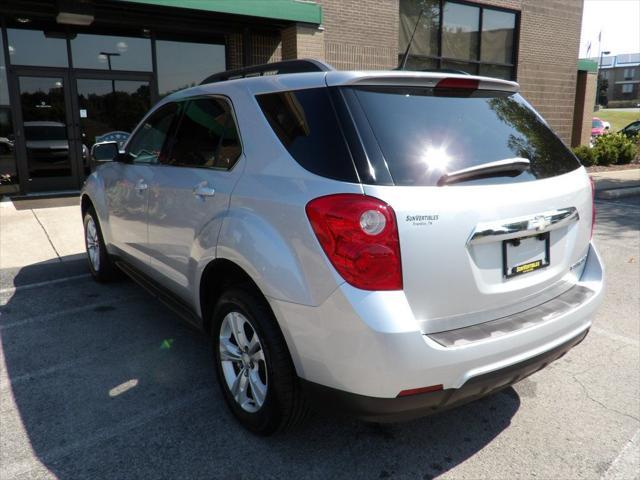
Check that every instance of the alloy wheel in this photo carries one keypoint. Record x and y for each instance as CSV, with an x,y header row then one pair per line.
x,y
93,244
243,362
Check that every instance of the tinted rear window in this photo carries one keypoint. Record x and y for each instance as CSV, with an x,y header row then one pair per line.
x,y
306,124
424,134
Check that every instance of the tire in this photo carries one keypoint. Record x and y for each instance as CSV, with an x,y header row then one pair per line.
x,y
277,404
100,263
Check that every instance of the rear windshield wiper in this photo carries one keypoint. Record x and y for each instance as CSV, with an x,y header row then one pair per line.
x,y
508,166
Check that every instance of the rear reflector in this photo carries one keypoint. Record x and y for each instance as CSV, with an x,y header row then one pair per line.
x,y
465,83
417,391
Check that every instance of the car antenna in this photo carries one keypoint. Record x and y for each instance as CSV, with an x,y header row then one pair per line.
x,y
403,62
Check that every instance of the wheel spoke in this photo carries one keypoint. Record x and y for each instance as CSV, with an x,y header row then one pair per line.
x,y
228,351
254,344
258,389
237,327
235,387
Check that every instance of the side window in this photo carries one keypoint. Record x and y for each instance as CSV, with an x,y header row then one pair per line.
x,y
207,136
307,127
146,145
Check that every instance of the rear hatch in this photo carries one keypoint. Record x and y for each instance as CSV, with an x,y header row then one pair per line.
x,y
494,212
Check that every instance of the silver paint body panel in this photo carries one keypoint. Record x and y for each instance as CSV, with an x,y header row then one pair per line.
x,y
370,343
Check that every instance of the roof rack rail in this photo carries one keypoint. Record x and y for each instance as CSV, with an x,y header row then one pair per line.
x,y
302,65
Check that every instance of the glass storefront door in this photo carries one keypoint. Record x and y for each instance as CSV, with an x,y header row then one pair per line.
x,y
45,139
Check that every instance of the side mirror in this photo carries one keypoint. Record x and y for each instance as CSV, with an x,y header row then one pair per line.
x,y
104,152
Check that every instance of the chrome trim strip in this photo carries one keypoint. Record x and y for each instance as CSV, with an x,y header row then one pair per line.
x,y
523,226
554,308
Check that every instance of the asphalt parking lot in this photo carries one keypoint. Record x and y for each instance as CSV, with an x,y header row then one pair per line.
x,y
104,382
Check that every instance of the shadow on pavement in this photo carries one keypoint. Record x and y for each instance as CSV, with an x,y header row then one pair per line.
x,y
50,202
105,382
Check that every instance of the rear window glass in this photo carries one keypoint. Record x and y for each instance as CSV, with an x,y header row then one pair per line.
x,y
306,124
424,134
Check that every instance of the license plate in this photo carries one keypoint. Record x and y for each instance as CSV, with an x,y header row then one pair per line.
x,y
525,255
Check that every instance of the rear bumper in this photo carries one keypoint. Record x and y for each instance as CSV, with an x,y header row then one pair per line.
x,y
376,409
370,345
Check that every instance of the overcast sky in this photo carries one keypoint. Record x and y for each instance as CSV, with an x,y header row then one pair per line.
x,y
619,21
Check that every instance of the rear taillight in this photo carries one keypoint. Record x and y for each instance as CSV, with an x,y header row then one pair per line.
x,y
359,235
593,205
453,82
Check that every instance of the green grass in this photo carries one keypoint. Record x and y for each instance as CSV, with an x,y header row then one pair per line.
x,y
617,118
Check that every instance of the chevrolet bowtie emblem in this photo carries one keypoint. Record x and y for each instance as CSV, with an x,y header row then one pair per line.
x,y
539,223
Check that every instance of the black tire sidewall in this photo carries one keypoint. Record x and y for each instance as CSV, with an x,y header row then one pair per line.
x,y
266,420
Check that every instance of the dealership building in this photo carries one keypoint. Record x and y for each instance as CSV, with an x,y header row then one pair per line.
x,y
73,73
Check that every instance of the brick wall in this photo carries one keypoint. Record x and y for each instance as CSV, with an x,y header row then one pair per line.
x,y
361,34
547,59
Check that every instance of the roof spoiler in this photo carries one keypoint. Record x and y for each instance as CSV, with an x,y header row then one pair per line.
x,y
303,65
429,80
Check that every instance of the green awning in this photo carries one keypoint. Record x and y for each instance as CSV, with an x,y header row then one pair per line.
x,y
587,65
292,10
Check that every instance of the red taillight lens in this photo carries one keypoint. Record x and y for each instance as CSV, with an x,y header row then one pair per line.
x,y
359,234
593,205
417,391
464,83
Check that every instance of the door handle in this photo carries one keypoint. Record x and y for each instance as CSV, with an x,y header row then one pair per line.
x,y
203,190
141,186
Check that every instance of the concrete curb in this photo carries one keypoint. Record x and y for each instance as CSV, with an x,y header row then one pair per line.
x,y
618,193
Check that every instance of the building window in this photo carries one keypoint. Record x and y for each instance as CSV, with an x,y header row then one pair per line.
x,y
106,52
628,73
8,170
186,64
35,47
458,36
627,88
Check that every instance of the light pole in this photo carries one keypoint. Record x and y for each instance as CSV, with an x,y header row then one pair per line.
x,y
598,80
109,55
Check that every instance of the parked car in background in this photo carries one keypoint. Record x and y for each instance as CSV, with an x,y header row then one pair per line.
x,y
46,141
632,129
598,127
385,244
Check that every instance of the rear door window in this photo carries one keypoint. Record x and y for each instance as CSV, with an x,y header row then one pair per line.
x,y
306,124
424,133
206,136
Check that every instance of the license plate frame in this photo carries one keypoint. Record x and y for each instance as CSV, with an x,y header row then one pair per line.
x,y
532,265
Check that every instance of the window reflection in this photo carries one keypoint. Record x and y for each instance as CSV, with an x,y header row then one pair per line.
x,y
33,47
497,36
425,41
8,170
105,52
186,64
110,110
459,44
460,31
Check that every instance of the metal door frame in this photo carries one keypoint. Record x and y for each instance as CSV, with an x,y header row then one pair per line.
x,y
70,78
28,185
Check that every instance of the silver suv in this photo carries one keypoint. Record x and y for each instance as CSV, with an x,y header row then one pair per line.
x,y
385,244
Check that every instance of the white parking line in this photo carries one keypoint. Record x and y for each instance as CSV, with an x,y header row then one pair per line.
x,y
12,470
627,464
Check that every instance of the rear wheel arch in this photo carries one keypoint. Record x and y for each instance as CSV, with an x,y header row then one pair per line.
x,y
85,204
220,275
